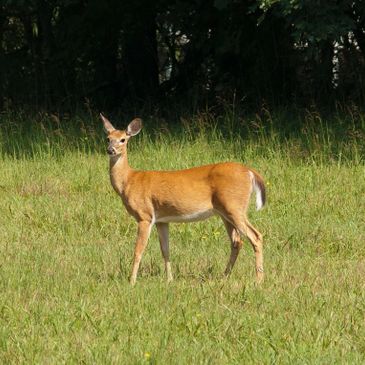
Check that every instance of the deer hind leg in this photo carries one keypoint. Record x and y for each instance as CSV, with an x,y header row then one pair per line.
x,y
255,238
144,230
243,226
163,233
236,245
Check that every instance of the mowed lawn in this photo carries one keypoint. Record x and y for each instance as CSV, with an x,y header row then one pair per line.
x,y
66,247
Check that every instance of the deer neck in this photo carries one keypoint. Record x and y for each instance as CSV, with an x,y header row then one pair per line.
x,y
119,172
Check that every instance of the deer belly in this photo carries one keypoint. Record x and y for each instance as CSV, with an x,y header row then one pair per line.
x,y
191,217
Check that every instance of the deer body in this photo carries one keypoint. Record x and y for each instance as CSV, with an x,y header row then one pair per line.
x,y
161,197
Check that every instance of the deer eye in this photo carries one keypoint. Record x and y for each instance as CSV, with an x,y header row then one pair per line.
x,y
122,140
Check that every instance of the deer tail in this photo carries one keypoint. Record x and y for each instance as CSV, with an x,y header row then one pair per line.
x,y
258,187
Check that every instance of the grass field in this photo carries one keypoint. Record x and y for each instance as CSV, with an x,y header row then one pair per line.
x,y
66,246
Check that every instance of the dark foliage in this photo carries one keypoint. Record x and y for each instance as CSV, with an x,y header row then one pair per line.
x,y
58,54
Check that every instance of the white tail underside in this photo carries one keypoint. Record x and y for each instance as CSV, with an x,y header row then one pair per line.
x,y
258,192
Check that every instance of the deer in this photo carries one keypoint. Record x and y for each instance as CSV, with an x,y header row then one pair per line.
x,y
162,197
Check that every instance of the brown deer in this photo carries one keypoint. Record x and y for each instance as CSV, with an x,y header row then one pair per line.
x,y
161,197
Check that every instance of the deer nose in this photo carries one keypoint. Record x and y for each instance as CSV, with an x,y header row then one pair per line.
x,y
111,150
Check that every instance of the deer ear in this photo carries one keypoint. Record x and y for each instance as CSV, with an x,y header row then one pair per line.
x,y
108,127
134,127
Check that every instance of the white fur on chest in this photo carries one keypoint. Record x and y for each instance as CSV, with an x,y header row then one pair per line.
x,y
193,217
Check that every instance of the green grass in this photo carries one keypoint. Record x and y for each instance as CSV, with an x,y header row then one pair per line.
x,y
66,246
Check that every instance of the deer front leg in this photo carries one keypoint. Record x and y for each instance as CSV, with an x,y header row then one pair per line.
x,y
144,229
163,233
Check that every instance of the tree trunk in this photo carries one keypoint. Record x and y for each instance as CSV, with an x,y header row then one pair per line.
x,y
324,70
49,77
140,51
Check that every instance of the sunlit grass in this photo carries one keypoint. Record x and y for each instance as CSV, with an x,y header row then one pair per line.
x,y
66,244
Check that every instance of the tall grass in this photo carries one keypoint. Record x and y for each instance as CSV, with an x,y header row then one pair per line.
x,y
303,135
66,244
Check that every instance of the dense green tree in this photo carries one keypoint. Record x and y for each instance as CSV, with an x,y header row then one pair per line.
x,y
61,53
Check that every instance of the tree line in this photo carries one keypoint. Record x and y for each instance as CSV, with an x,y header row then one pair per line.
x,y
61,53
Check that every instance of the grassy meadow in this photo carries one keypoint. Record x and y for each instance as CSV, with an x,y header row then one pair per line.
x,y
66,246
